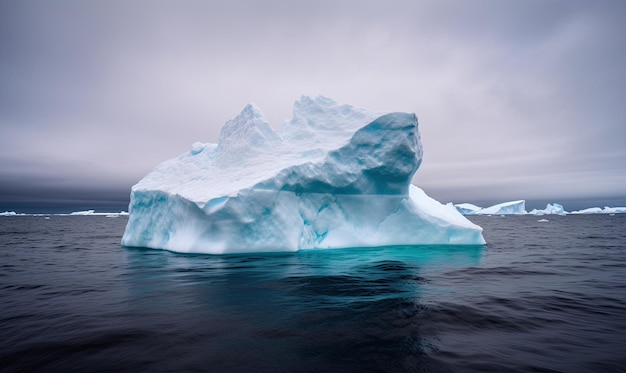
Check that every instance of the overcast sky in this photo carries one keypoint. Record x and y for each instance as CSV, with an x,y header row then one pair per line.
x,y
515,99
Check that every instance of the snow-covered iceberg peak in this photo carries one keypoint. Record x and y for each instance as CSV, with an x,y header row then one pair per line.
x,y
245,137
335,176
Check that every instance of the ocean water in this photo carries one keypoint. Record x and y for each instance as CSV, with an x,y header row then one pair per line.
x,y
539,297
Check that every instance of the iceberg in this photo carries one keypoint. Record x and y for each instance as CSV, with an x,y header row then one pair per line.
x,y
335,176
82,213
551,209
590,210
94,213
505,208
598,210
614,210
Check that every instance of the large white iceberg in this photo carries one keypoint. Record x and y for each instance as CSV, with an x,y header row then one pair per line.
x,y
336,176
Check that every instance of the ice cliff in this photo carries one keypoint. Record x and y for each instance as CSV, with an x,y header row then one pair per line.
x,y
336,176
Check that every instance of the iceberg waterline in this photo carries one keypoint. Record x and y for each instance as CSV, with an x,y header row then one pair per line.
x,y
463,208
336,176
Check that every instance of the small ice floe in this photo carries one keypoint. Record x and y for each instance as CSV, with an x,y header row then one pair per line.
x,y
543,220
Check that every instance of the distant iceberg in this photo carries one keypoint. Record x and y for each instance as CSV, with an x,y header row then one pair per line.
x,y
74,213
614,210
86,212
335,176
551,209
598,210
94,213
504,208
518,208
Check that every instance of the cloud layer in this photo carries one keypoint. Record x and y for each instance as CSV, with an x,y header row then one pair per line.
x,y
515,99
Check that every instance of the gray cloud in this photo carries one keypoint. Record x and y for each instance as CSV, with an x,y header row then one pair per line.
x,y
515,99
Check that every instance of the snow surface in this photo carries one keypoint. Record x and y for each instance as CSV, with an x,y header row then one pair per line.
x,y
336,176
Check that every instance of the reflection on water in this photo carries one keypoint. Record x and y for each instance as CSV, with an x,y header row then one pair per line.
x,y
326,276
328,260
328,309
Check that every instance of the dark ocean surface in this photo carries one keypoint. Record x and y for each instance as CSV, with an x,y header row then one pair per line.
x,y
539,297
